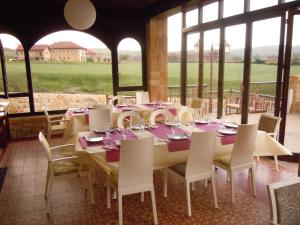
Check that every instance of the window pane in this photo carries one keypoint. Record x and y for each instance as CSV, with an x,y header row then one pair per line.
x,y
295,60
18,105
15,67
259,4
130,63
192,18
68,66
211,64
233,7
210,12
233,71
192,66
174,55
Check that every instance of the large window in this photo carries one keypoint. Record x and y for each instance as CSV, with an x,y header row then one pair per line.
x,y
233,7
130,63
192,18
210,12
16,75
68,66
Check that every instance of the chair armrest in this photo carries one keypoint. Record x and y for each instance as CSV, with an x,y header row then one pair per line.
x,y
70,158
56,117
58,147
57,121
271,134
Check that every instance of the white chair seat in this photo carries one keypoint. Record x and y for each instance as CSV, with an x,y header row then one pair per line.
x,y
63,168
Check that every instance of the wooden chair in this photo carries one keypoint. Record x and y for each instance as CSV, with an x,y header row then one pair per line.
x,y
142,97
284,197
161,114
63,166
199,165
241,157
270,124
55,124
135,174
130,117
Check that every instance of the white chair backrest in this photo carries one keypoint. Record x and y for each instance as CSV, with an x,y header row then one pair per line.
x,y
286,184
164,112
133,116
118,98
242,152
88,102
46,113
141,97
136,163
200,159
45,145
186,114
174,108
99,117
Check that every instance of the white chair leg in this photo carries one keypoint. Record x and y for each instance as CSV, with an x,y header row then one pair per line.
x,y
257,158
91,188
253,180
205,183
47,184
108,204
120,209
232,186
154,206
213,184
227,177
142,196
188,198
276,162
165,172
49,195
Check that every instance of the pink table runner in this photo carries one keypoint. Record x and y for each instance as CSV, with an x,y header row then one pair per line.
x,y
225,140
112,155
162,131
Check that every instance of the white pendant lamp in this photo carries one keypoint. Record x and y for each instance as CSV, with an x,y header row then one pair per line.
x,y
80,14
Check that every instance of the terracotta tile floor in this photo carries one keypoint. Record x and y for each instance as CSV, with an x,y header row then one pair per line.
x,y
22,201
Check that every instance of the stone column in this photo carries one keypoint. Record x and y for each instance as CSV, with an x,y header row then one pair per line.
x,y
295,85
157,59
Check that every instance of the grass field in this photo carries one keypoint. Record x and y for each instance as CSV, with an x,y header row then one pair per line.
x,y
96,78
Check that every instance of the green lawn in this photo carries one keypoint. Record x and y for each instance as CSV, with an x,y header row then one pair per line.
x,y
96,78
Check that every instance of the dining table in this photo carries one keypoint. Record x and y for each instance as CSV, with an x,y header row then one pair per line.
x,y
168,151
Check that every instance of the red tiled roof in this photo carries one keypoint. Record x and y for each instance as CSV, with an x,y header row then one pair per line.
x,y
65,45
33,48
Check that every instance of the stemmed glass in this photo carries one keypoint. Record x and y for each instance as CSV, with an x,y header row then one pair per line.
x,y
107,127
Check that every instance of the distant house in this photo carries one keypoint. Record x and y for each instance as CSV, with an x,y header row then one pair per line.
x,y
68,51
36,53
92,56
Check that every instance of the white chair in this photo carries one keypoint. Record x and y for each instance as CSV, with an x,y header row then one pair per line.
x,y
241,157
119,98
128,116
99,118
141,97
199,165
88,102
174,109
55,124
63,166
161,112
135,173
270,124
186,114
284,197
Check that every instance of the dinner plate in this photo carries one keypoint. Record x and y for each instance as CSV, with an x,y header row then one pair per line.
x,y
227,131
178,137
231,125
202,121
100,130
78,110
93,138
174,124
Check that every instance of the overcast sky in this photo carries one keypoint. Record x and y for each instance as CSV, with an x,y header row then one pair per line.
x,y
265,32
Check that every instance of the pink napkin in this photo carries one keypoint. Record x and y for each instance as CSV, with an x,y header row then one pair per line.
x,y
173,145
228,139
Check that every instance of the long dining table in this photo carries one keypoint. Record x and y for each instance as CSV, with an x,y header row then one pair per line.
x,y
166,153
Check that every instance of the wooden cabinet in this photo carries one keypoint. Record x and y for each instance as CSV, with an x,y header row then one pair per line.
x,y
4,125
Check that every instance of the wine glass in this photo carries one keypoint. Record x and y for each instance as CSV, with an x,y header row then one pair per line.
x,y
107,127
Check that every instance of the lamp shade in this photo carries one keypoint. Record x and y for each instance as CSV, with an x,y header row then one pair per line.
x,y
80,14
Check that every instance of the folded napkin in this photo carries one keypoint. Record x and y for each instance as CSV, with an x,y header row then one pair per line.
x,y
228,139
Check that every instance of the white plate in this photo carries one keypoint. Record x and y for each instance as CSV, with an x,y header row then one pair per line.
x,y
227,131
100,130
93,138
175,124
231,125
178,137
78,110
202,121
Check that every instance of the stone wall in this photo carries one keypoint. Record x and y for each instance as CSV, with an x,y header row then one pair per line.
x,y
295,85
